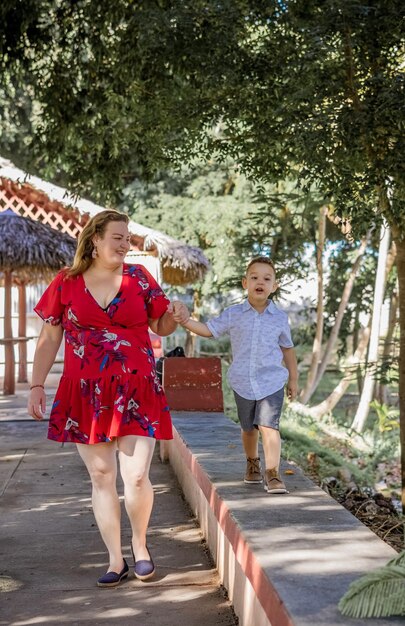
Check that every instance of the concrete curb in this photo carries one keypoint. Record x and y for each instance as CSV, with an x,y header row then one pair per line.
x,y
255,600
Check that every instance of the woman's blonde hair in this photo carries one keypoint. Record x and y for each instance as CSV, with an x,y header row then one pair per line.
x,y
95,226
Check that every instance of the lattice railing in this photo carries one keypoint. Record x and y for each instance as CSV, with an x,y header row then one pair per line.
x,y
29,202
55,214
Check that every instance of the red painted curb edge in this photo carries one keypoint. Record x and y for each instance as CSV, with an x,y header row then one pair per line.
x,y
268,597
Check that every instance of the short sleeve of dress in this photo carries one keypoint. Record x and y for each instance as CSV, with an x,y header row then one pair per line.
x,y
50,307
155,299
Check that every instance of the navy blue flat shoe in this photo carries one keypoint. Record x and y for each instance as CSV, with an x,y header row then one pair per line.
x,y
143,569
112,579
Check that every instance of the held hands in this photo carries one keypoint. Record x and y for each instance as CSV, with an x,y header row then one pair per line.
x,y
37,403
180,312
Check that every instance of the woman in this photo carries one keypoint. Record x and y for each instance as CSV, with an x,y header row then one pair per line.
x,y
109,398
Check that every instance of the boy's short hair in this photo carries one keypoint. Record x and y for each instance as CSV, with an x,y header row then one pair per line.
x,y
261,259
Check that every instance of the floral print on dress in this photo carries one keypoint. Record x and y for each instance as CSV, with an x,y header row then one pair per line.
x,y
109,387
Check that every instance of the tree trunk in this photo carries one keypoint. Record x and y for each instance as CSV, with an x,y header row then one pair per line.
x,y
359,375
400,261
387,351
339,316
331,401
392,255
381,391
317,346
379,289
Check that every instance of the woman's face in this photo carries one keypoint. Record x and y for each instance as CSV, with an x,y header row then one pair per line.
x,y
113,246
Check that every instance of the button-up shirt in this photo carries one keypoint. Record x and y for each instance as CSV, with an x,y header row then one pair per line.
x,y
257,368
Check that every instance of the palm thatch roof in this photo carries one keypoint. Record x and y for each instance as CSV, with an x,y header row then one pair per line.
x,y
181,263
32,249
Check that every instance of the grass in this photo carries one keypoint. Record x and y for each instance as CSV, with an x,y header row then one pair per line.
x,y
229,402
345,409
319,448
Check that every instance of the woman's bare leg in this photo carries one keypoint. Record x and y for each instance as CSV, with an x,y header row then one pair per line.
x,y
101,462
135,456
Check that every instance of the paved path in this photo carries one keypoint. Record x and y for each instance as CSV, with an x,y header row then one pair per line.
x,y
51,552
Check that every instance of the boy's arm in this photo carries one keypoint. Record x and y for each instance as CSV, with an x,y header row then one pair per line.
x,y
290,361
198,328
182,316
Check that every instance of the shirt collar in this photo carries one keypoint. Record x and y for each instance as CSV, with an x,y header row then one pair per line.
x,y
271,307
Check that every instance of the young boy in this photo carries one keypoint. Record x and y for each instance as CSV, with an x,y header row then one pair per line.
x,y
260,341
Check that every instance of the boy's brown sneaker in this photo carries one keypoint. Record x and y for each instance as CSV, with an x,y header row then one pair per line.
x,y
273,482
253,473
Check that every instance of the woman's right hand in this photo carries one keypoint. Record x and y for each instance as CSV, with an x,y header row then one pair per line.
x,y
37,403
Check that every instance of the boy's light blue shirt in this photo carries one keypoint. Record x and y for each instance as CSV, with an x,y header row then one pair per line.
x,y
256,340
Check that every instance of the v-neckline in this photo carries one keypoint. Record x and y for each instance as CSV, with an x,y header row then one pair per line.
x,y
104,309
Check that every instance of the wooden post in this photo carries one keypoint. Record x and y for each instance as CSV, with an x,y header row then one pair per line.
x,y
9,366
22,331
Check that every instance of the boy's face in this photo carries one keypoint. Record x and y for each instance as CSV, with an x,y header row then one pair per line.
x,y
260,282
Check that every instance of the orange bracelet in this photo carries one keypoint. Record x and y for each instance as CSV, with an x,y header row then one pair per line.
x,y
33,386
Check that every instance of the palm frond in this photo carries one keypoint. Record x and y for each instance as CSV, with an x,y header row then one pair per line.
x,y
380,593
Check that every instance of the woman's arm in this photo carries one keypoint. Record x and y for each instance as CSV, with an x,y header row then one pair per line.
x,y
176,313
47,347
164,325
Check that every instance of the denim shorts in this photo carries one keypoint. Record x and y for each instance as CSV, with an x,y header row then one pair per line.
x,y
264,412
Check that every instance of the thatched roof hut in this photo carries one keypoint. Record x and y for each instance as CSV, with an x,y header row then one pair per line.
x,y
32,250
32,197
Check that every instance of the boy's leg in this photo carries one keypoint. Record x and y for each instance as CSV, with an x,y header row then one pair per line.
x,y
271,442
253,473
267,418
250,439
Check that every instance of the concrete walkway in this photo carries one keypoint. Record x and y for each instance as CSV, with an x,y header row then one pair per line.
x,y
52,555
284,560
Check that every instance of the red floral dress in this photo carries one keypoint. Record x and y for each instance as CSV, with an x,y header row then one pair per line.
x,y
109,386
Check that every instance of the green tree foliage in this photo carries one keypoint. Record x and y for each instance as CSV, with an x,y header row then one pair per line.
x,y
122,87
217,208
208,206
326,92
340,259
113,83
